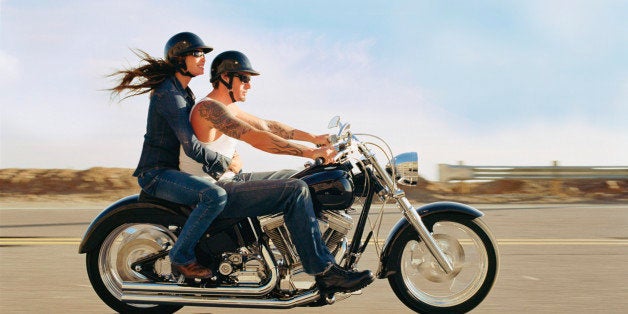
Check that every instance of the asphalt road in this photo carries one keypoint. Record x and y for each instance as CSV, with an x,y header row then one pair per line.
x,y
554,259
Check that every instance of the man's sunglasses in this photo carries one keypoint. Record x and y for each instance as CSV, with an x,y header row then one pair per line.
x,y
243,78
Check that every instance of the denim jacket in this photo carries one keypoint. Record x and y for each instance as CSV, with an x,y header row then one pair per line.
x,y
168,128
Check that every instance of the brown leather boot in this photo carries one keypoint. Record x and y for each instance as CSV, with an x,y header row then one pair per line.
x,y
193,270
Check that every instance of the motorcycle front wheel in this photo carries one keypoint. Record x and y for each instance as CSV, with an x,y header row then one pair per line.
x,y
130,236
422,285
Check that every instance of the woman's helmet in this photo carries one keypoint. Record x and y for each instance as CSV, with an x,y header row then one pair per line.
x,y
182,43
230,62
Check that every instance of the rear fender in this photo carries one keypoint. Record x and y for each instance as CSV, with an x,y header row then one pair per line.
x,y
423,211
130,203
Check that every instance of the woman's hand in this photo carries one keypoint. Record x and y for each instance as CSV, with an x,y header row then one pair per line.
x,y
236,163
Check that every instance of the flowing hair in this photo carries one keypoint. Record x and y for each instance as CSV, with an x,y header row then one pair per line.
x,y
142,79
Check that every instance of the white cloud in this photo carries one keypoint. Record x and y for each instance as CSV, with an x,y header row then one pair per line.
x,y
9,67
567,19
572,143
307,77
587,25
620,100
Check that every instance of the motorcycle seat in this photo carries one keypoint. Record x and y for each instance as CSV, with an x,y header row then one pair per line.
x,y
147,198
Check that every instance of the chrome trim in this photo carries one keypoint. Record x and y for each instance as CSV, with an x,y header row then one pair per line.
x,y
132,289
342,249
275,228
415,220
410,213
338,221
406,168
222,301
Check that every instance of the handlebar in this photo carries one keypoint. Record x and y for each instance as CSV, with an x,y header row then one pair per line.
x,y
319,161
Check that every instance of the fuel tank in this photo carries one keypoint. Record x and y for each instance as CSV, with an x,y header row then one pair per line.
x,y
331,187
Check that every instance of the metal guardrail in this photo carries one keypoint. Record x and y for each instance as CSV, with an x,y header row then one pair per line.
x,y
464,172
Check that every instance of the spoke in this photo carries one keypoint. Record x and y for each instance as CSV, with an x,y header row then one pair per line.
x,y
451,287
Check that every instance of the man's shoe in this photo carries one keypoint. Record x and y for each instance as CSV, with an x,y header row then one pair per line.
x,y
193,270
336,279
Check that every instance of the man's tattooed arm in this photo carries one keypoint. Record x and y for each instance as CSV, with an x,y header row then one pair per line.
x,y
286,148
291,133
281,129
222,119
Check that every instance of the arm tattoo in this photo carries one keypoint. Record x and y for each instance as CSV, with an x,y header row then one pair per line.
x,y
278,130
285,148
222,119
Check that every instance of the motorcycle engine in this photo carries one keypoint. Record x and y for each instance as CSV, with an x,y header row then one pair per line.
x,y
242,267
334,226
234,256
338,225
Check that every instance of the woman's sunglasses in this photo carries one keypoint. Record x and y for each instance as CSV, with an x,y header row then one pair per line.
x,y
197,54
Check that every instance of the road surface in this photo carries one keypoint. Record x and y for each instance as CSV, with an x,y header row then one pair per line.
x,y
554,259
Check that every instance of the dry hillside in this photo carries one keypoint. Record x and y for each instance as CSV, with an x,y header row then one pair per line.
x,y
109,184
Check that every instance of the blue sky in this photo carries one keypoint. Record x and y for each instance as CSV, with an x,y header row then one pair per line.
x,y
484,82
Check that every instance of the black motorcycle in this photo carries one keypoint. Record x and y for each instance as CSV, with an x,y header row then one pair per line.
x,y
438,258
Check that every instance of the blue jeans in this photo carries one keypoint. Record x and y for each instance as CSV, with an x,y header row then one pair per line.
x,y
264,193
207,199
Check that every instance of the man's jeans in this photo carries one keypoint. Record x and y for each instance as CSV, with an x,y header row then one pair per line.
x,y
258,194
207,198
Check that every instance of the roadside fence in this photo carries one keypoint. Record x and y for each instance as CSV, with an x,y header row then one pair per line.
x,y
556,173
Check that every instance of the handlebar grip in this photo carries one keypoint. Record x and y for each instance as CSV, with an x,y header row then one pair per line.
x,y
333,138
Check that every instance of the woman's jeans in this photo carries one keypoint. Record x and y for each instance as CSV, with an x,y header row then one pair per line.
x,y
207,198
258,194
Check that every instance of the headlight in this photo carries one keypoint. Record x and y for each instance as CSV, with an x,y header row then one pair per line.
x,y
406,168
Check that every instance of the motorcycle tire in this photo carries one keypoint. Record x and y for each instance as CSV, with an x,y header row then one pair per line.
x,y
422,285
126,237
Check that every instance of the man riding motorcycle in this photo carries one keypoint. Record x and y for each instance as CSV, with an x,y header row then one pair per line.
x,y
219,122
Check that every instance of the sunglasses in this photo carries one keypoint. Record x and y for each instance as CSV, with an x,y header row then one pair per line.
x,y
243,78
197,54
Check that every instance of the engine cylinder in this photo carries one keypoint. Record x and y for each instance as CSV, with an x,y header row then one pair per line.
x,y
338,225
276,229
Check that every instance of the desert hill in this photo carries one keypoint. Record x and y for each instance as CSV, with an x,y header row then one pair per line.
x,y
110,184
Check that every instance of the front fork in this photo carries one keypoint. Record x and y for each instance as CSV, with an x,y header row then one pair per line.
x,y
410,213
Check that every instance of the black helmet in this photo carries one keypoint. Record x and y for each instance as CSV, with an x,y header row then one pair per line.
x,y
182,43
230,62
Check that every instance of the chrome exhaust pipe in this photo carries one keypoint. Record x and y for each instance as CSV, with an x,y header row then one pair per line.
x,y
147,289
199,300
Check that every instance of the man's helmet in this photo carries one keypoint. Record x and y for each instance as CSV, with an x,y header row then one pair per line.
x,y
182,43
230,62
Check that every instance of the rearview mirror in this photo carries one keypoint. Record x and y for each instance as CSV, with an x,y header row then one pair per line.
x,y
335,121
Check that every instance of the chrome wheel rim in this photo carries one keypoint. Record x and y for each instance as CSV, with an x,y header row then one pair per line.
x,y
428,282
124,246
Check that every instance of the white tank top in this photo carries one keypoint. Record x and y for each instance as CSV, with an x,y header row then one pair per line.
x,y
223,145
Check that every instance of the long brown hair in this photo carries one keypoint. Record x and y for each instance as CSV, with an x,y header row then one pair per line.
x,y
142,79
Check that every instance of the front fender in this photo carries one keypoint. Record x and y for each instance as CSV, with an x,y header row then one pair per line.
x,y
423,211
132,202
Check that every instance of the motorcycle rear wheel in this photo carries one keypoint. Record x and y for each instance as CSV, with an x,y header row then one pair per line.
x,y
422,285
129,236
